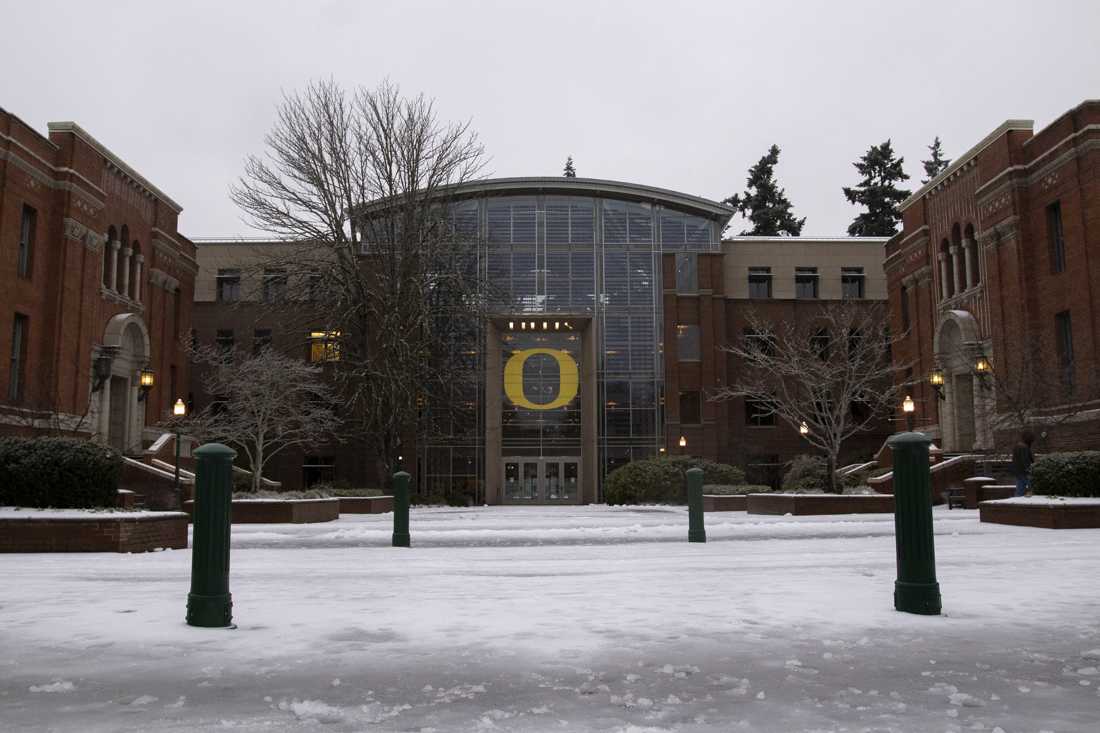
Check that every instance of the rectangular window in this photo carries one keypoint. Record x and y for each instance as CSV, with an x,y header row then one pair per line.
x,y
261,339
851,283
18,358
324,346
691,408
758,414
760,282
904,308
1055,237
759,341
687,272
805,282
27,229
274,290
687,342
229,285
1063,332
819,343
225,341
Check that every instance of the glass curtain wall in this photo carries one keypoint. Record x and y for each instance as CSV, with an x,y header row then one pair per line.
x,y
589,256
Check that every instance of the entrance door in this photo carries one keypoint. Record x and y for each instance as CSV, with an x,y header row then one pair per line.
x,y
541,480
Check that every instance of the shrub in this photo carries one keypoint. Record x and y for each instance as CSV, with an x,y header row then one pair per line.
x,y
1067,474
735,490
342,488
811,473
663,480
58,472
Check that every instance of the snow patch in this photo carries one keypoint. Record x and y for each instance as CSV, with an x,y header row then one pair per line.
x,y
55,686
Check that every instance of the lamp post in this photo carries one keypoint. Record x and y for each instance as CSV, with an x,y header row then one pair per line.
x,y
178,410
936,379
683,443
984,370
803,429
908,407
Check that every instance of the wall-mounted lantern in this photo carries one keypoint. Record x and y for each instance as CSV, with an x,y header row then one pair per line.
x,y
936,379
146,379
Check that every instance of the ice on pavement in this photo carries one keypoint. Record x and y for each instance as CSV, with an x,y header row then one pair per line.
x,y
563,618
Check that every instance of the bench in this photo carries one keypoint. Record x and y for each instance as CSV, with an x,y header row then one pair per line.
x,y
955,497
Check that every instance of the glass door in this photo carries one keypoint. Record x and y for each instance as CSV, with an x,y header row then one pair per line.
x,y
541,480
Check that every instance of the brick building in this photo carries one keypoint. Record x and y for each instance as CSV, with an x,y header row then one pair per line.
x,y
96,285
609,303
993,279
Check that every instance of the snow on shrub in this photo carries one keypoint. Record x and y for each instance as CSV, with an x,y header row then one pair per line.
x,y
735,490
1067,474
811,474
57,472
660,480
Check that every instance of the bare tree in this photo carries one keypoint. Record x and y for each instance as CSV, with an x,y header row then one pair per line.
x,y
363,181
831,373
265,403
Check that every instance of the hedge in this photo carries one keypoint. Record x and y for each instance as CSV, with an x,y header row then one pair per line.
x,y
317,491
64,473
1067,474
662,480
735,490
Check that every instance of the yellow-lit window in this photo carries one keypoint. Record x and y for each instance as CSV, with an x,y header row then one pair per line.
x,y
324,346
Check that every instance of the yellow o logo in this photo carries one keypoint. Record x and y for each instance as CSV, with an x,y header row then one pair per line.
x,y
569,378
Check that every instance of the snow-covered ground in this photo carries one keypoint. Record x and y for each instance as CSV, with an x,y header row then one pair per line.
x,y
559,618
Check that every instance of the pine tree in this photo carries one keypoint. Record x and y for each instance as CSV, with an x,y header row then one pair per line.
x,y
878,192
764,203
570,171
937,163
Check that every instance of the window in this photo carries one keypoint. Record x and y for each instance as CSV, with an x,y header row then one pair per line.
x,y
758,414
324,346
26,241
1063,332
18,358
760,282
805,282
317,470
691,408
819,343
687,272
274,290
225,342
687,342
851,283
1055,237
759,341
904,308
229,285
261,339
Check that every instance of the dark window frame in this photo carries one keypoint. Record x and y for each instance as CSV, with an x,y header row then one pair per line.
x,y
853,276
28,230
1063,335
806,276
758,415
681,339
17,371
1056,238
693,399
228,285
760,277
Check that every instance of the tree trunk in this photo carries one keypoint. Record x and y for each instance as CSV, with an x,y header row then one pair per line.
x,y
834,487
257,469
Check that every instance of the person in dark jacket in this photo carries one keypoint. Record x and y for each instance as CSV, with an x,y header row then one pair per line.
x,y
1022,458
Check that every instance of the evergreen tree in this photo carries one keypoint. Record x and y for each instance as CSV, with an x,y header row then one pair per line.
x,y
764,203
570,171
937,163
878,192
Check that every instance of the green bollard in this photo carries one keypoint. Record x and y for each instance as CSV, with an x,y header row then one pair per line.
x,y
916,589
696,531
401,509
209,603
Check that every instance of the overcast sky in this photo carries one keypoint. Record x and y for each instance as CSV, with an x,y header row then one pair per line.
x,y
682,95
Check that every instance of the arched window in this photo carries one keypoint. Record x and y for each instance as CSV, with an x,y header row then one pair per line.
x,y
112,235
123,261
972,252
947,270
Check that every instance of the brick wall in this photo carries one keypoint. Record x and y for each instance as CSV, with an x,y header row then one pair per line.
x,y
137,534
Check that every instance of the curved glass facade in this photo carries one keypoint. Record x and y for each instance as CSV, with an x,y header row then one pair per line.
x,y
595,258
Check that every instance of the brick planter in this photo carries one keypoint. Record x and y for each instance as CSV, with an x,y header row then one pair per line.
x,y
365,504
724,503
1053,515
279,511
75,531
976,492
805,504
